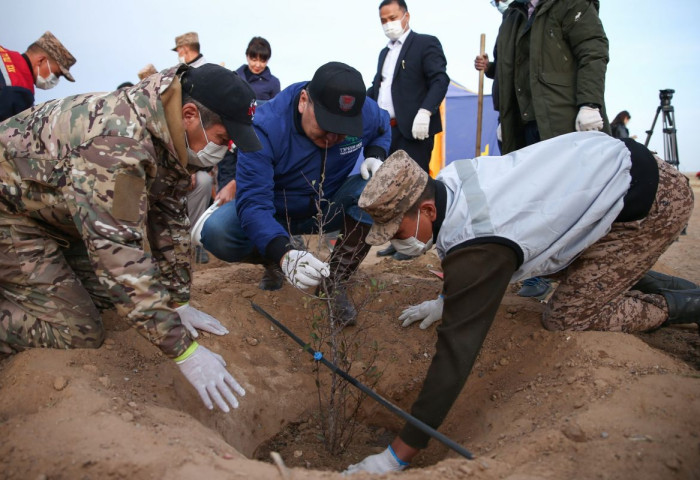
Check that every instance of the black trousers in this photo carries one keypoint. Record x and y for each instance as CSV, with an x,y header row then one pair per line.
x,y
476,278
418,150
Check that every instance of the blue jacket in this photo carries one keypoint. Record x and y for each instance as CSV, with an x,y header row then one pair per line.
x,y
265,85
277,180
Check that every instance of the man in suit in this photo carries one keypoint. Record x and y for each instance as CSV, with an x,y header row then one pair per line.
x,y
410,84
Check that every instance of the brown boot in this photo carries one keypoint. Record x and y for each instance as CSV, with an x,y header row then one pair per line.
x,y
349,251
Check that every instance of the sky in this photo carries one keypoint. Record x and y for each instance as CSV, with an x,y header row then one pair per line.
x,y
653,45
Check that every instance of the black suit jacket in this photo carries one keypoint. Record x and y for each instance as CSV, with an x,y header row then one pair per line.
x,y
420,81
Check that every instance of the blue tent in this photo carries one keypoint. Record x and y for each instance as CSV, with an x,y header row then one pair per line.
x,y
458,139
459,126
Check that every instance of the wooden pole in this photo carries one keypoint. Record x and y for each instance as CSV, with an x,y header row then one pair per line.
x,y
480,104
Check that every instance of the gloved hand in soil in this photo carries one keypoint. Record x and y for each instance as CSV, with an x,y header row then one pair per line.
x,y
429,312
302,269
205,370
384,462
194,320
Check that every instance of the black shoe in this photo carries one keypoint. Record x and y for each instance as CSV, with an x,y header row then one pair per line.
x,y
343,308
683,306
654,282
390,250
201,255
272,278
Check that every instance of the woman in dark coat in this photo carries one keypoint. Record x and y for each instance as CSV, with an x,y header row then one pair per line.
x,y
619,125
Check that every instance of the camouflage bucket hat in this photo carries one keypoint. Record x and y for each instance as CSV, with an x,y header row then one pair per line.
x,y
189,38
58,52
388,195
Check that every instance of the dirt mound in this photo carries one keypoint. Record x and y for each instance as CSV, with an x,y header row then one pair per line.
x,y
538,404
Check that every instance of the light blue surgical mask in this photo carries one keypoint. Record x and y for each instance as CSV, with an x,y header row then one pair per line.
x,y
46,83
210,155
411,246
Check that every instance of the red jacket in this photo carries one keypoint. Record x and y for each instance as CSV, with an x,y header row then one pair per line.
x,y
16,83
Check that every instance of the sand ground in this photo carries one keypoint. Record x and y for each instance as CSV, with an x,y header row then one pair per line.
x,y
538,405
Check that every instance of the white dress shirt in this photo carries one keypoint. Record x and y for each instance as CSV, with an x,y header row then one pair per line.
x,y
384,99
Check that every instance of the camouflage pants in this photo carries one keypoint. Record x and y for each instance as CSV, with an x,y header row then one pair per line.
x,y
594,290
48,290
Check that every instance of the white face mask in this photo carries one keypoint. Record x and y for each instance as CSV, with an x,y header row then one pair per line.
x,y
210,155
411,246
46,83
394,30
502,6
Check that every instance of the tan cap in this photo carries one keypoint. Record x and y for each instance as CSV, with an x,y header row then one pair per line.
x,y
188,38
57,52
147,71
388,195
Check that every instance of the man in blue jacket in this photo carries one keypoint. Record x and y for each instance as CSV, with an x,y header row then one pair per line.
x,y
312,135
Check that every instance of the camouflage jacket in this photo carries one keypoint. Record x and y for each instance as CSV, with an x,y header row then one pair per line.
x,y
110,169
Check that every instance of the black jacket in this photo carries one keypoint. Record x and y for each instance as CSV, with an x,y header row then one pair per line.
x,y
420,81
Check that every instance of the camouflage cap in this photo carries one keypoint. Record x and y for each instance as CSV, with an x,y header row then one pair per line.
x,y
388,195
147,71
188,38
57,52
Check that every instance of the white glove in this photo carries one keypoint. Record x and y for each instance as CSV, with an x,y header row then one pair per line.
x,y
205,370
429,311
421,124
196,230
380,463
588,118
499,132
194,319
369,166
302,269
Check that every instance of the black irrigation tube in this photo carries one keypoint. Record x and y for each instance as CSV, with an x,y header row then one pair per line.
x,y
318,356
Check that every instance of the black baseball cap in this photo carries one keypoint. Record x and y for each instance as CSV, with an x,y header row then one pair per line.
x,y
338,94
229,96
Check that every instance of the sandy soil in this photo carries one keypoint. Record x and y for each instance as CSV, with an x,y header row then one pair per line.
x,y
539,404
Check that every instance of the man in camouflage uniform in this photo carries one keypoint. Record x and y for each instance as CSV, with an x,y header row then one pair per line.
x,y
599,215
93,214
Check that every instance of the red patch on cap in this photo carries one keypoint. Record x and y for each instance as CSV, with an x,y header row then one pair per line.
x,y
346,102
251,110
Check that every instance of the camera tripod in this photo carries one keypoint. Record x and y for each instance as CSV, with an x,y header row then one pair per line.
x,y
669,129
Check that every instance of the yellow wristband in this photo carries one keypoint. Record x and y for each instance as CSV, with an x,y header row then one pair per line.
x,y
188,353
